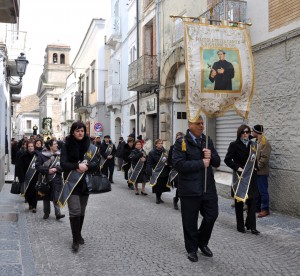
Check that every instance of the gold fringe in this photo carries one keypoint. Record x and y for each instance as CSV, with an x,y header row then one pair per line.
x,y
183,145
263,139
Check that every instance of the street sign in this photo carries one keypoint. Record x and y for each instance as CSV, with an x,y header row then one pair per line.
x,y
98,127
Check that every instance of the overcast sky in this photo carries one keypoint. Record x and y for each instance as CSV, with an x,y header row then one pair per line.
x,y
46,22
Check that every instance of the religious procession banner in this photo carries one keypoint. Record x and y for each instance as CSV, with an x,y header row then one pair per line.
x,y
219,70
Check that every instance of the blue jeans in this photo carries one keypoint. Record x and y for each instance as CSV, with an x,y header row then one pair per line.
x,y
263,199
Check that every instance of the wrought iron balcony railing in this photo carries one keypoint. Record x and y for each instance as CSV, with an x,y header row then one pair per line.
x,y
230,10
80,105
113,31
113,95
143,73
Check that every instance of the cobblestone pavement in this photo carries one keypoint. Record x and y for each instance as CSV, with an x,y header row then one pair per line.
x,y
128,234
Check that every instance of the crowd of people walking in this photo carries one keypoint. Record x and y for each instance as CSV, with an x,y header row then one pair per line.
x,y
57,171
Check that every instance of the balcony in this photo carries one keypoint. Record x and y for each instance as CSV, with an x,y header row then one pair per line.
x,y
230,10
113,96
80,105
143,74
113,31
66,116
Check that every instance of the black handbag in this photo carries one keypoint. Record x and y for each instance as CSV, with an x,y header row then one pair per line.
x,y
98,183
42,186
15,187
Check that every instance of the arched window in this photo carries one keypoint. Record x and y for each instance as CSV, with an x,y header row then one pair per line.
x,y
62,59
132,110
54,58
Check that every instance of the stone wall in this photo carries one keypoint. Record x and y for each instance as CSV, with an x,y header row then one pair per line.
x,y
276,105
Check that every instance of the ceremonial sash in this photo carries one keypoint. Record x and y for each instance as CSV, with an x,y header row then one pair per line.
x,y
55,163
135,172
158,168
74,177
108,151
241,185
29,173
172,175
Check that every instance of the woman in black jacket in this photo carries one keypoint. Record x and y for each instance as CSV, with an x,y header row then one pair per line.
x,y
136,155
126,161
47,164
74,157
153,158
236,158
23,165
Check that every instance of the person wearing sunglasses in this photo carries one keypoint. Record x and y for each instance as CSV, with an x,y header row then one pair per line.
x,y
236,159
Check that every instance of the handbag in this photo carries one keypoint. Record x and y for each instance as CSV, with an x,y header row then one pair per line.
x,y
15,187
98,183
42,186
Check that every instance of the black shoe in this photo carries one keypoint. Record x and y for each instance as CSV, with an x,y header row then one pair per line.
x,y
161,201
111,181
75,246
255,232
81,240
60,216
205,250
157,201
192,256
46,216
241,230
143,193
33,210
175,200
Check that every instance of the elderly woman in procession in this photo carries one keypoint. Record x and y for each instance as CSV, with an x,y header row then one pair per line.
x,y
158,170
48,165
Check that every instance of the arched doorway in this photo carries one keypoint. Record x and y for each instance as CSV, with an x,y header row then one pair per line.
x,y
132,119
117,129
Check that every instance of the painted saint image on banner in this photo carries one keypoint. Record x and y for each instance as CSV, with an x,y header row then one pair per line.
x,y
221,70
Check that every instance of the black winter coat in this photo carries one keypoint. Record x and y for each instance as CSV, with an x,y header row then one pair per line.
x,y
72,153
237,156
103,153
42,165
135,156
120,149
190,167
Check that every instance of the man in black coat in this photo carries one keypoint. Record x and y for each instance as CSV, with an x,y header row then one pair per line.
x,y
120,150
191,157
109,157
222,73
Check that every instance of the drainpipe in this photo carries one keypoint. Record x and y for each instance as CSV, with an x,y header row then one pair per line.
x,y
138,55
158,60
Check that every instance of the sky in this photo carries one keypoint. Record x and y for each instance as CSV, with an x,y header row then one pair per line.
x,y
46,22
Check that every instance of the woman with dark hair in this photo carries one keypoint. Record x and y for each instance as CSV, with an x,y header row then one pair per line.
x,y
28,175
237,158
38,145
158,170
78,158
126,161
138,174
48,165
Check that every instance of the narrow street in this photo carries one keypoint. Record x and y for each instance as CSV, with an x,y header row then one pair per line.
x,y
128,234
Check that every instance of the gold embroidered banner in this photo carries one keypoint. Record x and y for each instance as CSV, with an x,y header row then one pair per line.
x,y
219,70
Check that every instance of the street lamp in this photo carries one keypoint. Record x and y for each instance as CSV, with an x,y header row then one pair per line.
x,y
21,66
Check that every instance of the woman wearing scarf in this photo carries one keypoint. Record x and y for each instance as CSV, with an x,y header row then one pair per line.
x,y
236,159
78,158
48,165
158,170
138,161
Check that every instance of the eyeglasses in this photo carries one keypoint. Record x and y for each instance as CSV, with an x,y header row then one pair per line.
x,y
245,131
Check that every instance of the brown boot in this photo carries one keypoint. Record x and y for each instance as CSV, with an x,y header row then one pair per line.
x,y
263,213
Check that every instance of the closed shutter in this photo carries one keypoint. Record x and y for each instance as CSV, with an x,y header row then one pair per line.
x,y
226,127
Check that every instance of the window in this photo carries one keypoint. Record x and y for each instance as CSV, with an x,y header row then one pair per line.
x,y
93,76
132,54
62,59
28,124
55,58
181,115
72,106
87,79
114,72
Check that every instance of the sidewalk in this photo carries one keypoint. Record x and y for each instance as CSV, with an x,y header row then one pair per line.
x,y
131,235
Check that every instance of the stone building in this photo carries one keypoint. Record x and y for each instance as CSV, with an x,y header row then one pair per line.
x,y
52,82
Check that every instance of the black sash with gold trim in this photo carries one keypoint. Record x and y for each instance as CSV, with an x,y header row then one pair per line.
x,y
135,172
242,182
74,177
109,150
158,169
31,171
172,175
55,163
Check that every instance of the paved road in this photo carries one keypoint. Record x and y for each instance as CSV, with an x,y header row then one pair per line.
x,y
127,234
